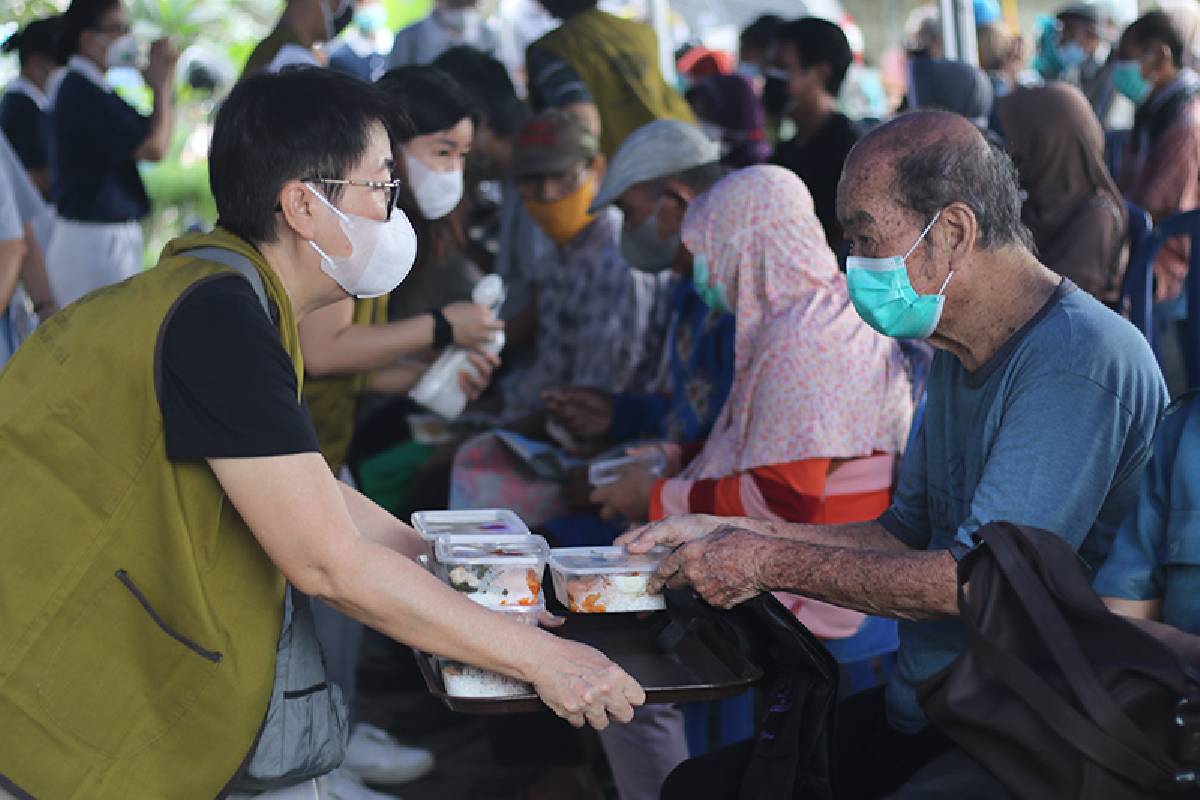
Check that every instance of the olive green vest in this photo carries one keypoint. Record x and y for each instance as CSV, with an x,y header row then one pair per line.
x,y
332,400
138,614
618,61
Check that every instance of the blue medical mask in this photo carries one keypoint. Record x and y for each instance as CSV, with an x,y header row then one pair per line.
x,y
1072,54
1128,80
712,294
370,19
885,299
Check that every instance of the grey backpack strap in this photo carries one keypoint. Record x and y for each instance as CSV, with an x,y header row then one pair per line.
x,y
239,262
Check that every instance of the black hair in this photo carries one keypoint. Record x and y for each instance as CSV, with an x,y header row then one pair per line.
x,y
431,100
274,128
819,41
80,16
488,82
969,170
1156,27
758,34
565,9
38,38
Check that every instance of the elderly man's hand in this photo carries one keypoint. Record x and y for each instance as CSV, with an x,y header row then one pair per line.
x,y
669,532
725,568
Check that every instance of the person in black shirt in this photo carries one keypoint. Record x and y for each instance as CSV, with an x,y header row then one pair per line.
x,y
24,109
816,55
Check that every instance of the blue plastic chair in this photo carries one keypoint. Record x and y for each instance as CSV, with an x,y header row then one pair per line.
x,y
1186,224
1137,292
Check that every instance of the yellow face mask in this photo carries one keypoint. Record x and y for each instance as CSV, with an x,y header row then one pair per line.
x,y
563,219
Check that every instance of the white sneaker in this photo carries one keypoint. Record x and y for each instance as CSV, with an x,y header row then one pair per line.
x,y
342,784
377,758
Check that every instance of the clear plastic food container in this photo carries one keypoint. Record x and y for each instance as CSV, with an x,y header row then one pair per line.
x,y
599,580
487,521
464,680
497,571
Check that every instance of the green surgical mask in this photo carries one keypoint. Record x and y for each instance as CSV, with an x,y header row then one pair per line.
x,y
1128,80
712,294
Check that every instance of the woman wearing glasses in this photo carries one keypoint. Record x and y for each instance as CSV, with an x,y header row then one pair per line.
x,y
351,346
97,140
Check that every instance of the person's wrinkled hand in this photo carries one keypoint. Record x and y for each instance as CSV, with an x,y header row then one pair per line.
x,y
628,497
669,532
581,685
587,413
475,379
725,568
473,324
160,68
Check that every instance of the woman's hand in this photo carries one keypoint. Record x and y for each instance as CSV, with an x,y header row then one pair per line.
x,y
581,685
473,324
477,377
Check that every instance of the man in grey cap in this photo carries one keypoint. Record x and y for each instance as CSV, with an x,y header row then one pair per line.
x,y
1084,46
655,173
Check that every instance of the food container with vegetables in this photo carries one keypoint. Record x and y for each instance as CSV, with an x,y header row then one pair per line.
x,y
495,571
599,580
487,522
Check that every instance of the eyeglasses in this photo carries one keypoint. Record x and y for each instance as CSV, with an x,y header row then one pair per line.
x,y
391,187
118,28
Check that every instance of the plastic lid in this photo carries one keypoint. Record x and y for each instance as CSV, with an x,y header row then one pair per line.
x,y
604,560
507,549
486,521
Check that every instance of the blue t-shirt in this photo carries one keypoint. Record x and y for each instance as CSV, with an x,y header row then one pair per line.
x,y
700,358
27,127
1054,432
93,174
1157,550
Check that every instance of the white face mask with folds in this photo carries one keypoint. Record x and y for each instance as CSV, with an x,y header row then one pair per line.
x,y
381,253
437,193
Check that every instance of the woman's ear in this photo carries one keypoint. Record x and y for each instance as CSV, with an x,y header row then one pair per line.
x,y
296,205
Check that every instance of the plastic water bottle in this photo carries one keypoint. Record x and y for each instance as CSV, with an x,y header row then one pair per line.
x,y
439,390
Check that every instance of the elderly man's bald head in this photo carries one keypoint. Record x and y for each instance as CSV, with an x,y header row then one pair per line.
x,y
926,160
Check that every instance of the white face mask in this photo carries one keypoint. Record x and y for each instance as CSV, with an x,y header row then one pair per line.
x,y
122,52
437,193
381,253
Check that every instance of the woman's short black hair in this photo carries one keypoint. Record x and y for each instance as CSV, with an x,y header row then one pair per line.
x,y
1156,27
274,128
428,98
486,78
38,38
80,16
819,41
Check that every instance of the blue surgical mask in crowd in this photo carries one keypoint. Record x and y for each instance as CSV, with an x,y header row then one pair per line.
x,y
370,19
1072,55
712,294
884,297
1128,80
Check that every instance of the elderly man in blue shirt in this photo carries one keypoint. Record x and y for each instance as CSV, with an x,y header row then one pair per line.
x,y
1041,410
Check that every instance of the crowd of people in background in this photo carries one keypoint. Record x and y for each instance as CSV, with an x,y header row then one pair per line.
x,y
849,344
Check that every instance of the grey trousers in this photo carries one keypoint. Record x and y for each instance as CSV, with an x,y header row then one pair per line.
x,y
643,753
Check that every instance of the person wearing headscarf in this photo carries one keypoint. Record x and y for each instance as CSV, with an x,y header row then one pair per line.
x,y
950,86
1073,207
820,404
729,111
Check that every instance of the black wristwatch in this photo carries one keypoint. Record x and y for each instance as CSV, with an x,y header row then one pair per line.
x,y
443,331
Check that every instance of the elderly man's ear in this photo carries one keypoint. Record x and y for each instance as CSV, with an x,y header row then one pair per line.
x,y
959,232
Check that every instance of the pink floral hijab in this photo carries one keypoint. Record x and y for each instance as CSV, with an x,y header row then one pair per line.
x,y
811,379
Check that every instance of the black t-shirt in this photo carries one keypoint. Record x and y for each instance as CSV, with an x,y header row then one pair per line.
x,y
227,388
818,161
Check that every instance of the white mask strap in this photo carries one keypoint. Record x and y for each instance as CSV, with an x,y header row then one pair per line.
x,y
328,204
946,282
923,234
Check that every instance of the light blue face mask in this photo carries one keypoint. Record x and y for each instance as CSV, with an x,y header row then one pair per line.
x,y
1128,80
885,299
713,295
370,19
1072,54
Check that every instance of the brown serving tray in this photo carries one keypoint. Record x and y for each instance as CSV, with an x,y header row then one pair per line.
x,y
674,663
